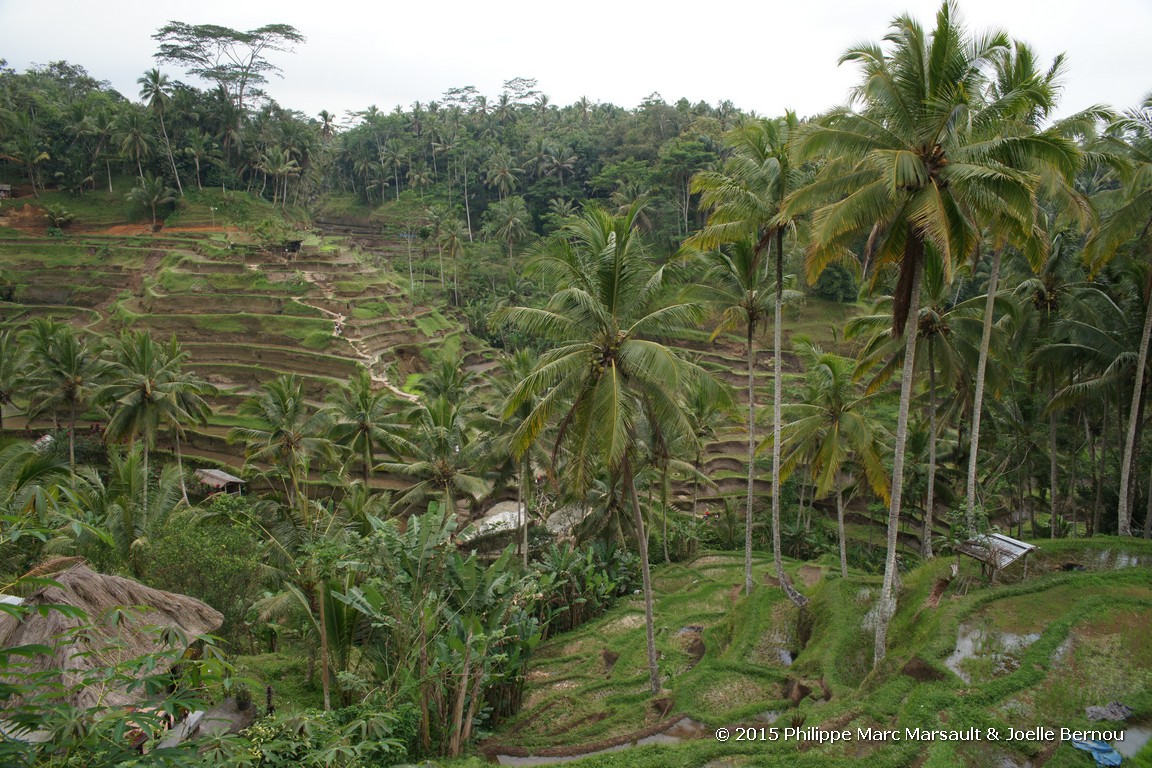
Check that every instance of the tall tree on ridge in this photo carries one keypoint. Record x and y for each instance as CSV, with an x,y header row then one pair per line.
x,y
1129,220
605,373
745,199
154,90
921,162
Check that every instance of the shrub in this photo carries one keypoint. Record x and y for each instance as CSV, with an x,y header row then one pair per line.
x,y
214,562
354,736
836,283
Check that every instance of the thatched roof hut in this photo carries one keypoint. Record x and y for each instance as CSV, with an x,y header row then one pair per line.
x,y
137,631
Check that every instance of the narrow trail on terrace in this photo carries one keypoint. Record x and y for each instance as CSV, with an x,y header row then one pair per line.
x,y
371,362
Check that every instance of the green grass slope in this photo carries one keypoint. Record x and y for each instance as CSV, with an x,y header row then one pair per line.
x,y
1047,647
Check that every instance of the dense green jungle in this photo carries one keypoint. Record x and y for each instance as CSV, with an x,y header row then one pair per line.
x,y
490,430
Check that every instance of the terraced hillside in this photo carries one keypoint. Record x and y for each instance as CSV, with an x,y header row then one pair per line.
x,y
247,314
1024,654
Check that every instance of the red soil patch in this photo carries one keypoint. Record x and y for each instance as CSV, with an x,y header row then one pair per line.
x,y
125,229
144,229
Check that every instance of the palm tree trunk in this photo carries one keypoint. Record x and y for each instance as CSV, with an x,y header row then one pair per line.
x,y
425,714
324,680
646,575
664,509
696,483
930,501
180,469
144,489
1148,511
1124,511
1095,472
72,437
887,607
1052,472
840,530
1098,512
978,398
522,508
777,417
751,462
457,721
171,159
467,207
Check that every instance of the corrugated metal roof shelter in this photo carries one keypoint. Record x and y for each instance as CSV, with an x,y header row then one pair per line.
x,y
220,480
995,551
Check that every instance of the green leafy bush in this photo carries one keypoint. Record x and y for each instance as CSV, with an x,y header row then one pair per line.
x,y
361,736
215,562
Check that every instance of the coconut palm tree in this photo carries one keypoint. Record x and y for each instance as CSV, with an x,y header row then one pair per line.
x,y
921,162
141,393
66,375
289,435
831,428
946,350
735,280
1035,92
156,91
364,420
501,173
513,370
13,362
151,194
133,138
446,453
200,147
1127,223
745,198
452,239
605,373
508,220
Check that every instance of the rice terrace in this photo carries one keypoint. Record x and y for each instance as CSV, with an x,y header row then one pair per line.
x,y
490,430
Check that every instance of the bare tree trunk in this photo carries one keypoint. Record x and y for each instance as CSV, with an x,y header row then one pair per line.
x,y
456,722
751,462
930,500
1148,511
840,530
522,509
1053,469
180,469
1148,507
425,715
143,491
1088,520
646,575
887,605
467,207
978,398
1124,512
324,662
171,159
777,417
475,700
72,437
664,508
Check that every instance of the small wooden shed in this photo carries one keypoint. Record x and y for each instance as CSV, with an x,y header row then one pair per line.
x,y
995,552
219,480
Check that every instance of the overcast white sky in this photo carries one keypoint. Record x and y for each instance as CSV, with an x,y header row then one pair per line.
x,y
765,56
